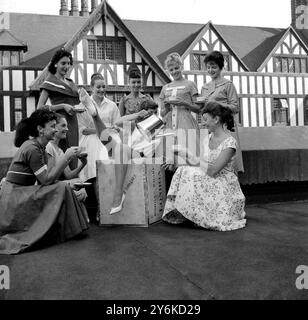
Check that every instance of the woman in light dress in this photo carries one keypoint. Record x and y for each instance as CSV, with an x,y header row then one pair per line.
x,y
206,191
109,113
55,153
177,102
223,91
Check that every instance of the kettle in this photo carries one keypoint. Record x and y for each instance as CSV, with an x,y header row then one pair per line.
x,y
150,126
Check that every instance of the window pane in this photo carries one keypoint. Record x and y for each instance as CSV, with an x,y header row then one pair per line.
x,y
284,65
118,97
277,65
17,110
6,58
291,65
17,103
297,65
15,58
110,96
109,51
227,63
18,116
118,54
304,65
91,49
100,52
196,62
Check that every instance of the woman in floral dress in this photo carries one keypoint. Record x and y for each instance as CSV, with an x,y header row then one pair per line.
x,y
223,91
207,191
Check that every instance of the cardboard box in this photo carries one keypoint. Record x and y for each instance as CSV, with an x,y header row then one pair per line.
x,y
145,194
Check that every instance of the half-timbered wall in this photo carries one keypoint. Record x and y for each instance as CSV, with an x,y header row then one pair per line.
x,y
15,99
257,92
290,53
115,72
209,42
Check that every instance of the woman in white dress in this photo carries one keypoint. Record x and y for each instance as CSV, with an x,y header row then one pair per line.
x,y
206,191
109,113
55,153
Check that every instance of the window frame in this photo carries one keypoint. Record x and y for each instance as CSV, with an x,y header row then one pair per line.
x,y
121,41
280,111
302,61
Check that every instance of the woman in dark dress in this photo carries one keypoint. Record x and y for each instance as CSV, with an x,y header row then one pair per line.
x,y
35,206
63,94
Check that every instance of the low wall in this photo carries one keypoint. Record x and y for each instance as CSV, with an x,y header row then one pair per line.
x,y
7,148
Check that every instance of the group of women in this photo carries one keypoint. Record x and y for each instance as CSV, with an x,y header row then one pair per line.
x,y
60,143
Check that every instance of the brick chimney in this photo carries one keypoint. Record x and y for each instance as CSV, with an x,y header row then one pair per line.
x,y
94,4
64,8
299,14
74,8
84,8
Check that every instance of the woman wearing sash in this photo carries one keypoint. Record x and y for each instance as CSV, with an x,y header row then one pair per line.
x,y
35,207
63,94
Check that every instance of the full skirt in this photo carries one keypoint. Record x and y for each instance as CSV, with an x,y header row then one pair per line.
x,y
30,214
212,203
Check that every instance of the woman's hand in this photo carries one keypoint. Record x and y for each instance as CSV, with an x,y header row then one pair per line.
x,y
143,114
72,153
69,109
168,164
176,101
180,151
83,160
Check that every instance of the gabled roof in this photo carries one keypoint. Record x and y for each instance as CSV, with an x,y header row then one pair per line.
x,y
43,32
104,9
252,44
303,34
7,39
161,38
207,27
280,41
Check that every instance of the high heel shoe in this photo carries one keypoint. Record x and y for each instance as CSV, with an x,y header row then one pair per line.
x,y
119,207
87,102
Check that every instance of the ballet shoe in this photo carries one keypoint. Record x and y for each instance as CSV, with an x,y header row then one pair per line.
x,y
119,207
87,102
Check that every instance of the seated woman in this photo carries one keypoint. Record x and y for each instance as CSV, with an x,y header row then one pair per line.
x,y
207,191
55,153
47,211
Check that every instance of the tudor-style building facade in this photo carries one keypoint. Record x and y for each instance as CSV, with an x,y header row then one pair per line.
x,y
271,76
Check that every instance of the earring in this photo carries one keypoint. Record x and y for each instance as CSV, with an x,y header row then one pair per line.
x,y
56,66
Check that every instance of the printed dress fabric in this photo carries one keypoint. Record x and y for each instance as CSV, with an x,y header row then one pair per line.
x,y
180,119
130,105
215,203
224,92
64,92
33,213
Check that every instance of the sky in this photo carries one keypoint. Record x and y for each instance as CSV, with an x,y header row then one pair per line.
x,y
263,13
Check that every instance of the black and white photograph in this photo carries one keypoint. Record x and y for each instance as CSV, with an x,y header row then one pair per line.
x,y
153,154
